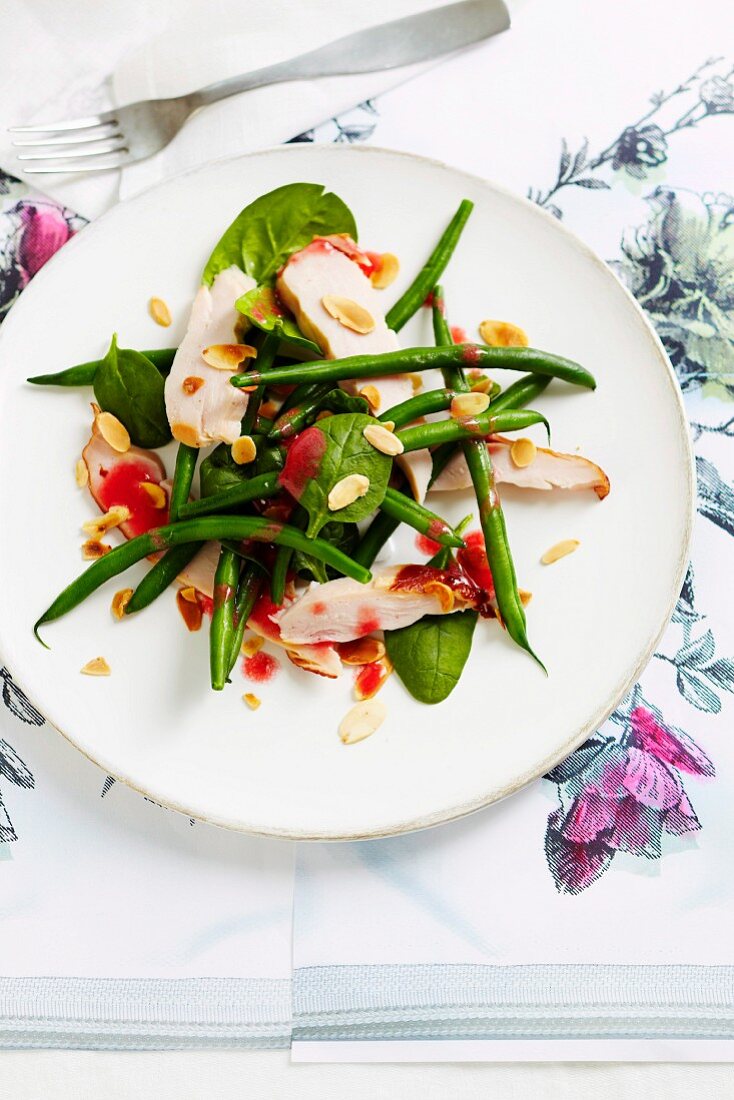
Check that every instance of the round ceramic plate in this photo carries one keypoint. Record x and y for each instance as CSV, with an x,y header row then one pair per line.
x,y
595,616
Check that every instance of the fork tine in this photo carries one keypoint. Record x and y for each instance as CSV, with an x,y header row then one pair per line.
x,y
66,154
70,124
92,165
73,138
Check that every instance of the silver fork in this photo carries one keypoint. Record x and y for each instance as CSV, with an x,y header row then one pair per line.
x,y
122,136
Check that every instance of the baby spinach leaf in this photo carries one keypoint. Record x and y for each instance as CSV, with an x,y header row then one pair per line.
x,y
265,233
129,385
263,309
342,535
219,471
340,402
429,656
322,456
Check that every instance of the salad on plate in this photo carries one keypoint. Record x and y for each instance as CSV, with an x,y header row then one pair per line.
x,y
306,436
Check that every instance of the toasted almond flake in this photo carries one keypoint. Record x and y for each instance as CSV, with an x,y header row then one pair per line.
x,y
560,550
366,686
388,425
348,313
116,515
415,380
96,667
523,452
81,473
525,596
120,600
443,594
189,594
93,549
362,721
160,312
383,440
190,611
469,404
185,433
191,384
113,431
156,493
269,409
482,385
371,395
252,700
503,334
346,491
252,645
244,450
227,356
362,651
324,414
387,272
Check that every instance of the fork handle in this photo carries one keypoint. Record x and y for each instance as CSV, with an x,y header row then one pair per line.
x,y
389,46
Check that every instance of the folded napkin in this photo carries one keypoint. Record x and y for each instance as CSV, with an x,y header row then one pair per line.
x,y
596,905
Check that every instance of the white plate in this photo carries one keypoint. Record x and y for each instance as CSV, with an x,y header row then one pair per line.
x,y
282,771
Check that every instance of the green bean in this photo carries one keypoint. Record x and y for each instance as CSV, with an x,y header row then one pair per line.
x,y
161,575
265,358
186,459
406,510
206,529
248,590
444,556
479,462
374,538
422,404
298,395
428,276
283,555
409,360
221,631
452,375
521,392
475,427
83,374
256,488
299,416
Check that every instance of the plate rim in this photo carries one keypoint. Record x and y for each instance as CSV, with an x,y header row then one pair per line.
x,y
629,677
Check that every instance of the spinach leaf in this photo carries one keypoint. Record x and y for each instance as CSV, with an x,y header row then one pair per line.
x,y
326,453
265,233
269,459
342,535
340,402
129,385
429,656
219,471
263,309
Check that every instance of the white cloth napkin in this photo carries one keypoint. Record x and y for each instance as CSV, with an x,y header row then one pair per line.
x,y
566,914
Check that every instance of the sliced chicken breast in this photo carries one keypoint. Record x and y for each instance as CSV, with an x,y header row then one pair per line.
x,y
201,405
549,470
343,609
322,659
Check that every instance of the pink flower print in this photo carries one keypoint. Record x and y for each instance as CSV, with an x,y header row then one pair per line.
x,y
681,819
574,866
637,828
672,746
44,230
649,781
590,814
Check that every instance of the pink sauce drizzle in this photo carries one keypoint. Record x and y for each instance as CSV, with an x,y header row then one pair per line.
x,y
121,485
260,667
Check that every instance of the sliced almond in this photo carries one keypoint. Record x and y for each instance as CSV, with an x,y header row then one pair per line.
x,y
156,493
482,385
113,431
523,452
227,356
560,550
269,409
383,440
445,595
160,312
191,384
388,425
372,678
94,549
503,334
525,596
415,380
120,600
371,395
252,645
348,313
362,721
185,433
362,651
387,271
116,515
252,700
244,450
190,611
81,473
96,667
189,594
346,491
469,404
